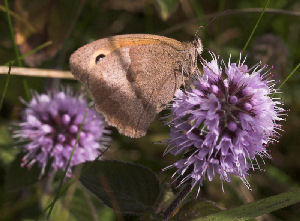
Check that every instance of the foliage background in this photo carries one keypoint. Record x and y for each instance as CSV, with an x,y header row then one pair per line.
x,y
223,26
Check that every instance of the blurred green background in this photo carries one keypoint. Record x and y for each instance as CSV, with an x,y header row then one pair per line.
x,y
223,26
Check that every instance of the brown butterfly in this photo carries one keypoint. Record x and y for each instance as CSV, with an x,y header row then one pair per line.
x,y
132,77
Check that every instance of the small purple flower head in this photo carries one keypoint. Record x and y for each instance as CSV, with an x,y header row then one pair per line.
x,y
223,122
50,126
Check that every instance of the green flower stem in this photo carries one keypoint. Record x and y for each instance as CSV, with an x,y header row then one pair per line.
x,y
66,170
255,26
5,87
290,75
38,48
12,35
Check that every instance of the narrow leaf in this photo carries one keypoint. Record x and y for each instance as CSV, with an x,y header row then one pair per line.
x,y
5,88
66,169
12,35
290,75
254,209
255,26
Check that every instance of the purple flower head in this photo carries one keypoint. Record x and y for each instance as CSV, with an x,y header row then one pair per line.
x,y
223,122
50,126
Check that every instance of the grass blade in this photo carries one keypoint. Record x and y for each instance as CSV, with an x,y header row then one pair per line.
x,y
254,209
12,35
5,88
290,75
255,26
66,170
38,48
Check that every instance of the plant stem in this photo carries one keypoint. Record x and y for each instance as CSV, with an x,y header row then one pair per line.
x,y
66,170
5,88
255,27
12,35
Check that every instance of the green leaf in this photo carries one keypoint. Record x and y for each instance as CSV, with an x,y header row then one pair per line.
x,y
18,177
193,209
166,7
125,187
254,209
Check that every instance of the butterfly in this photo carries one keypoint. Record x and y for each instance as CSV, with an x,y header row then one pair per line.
x,y
133,77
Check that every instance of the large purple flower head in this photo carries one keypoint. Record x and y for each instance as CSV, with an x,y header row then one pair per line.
x,y
50,126
223,122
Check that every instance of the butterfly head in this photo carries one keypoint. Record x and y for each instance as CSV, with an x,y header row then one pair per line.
x,y
85,59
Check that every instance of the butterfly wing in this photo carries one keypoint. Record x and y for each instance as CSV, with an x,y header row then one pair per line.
x,y
131,82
